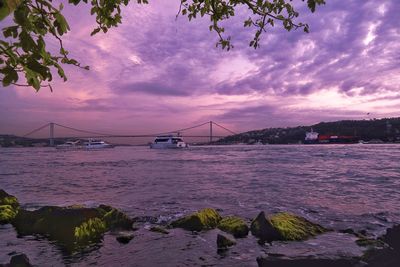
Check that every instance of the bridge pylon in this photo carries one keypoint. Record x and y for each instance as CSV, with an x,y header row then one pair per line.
x,y
51,140
211,131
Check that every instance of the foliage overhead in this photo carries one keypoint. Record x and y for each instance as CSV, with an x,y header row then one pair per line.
x,y
23,50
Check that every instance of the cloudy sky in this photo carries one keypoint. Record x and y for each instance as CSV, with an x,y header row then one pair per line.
x,y
157,73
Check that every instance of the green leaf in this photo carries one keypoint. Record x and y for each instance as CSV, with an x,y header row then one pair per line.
x,y
27,43
21,15
38,68
8,6
10,31
94,31
10,76
61,24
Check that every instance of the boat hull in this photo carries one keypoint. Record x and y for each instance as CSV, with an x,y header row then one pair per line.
x,y
168,146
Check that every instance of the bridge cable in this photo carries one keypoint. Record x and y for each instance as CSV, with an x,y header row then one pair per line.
x,y
36,130
226,129
82,131
184,129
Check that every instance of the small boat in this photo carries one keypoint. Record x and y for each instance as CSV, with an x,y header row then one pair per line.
x,y
70,145
168,141
96,144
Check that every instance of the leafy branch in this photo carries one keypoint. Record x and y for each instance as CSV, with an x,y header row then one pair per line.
x,y
264,13
24,51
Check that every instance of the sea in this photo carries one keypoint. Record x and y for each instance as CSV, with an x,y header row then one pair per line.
x,y
338,186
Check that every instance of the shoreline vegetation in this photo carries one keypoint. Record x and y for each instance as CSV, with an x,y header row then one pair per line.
x,y
76,227
374,131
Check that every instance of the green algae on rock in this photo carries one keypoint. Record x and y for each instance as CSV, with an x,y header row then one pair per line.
x,y
9,207
284,226
198,221
7,214
295,228
6,199
234,225
114,218
224,242
90,230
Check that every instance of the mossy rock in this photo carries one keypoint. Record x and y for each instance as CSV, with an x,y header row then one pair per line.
x,y
284,226
293,227
235,226
115,219
198,221
262,228
57,223
73,227
224,242
9,207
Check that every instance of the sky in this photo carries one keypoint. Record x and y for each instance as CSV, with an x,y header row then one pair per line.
x,y
156,72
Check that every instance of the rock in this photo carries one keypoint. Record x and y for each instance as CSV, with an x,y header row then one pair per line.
x,y
7,214
381,257
224,242
6,199
55,222
363,241
273,261
388,256
124,238
90,230
392,237
234,225
73,226
201,220
262,228
20,260
284,226
9,207
158,229
116,219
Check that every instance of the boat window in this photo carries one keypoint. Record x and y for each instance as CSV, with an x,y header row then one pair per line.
x,y
161,140
178,139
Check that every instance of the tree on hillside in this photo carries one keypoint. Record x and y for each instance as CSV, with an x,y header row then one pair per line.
x,y
23,52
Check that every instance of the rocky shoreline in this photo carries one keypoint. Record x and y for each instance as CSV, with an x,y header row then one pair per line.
x,y
76,227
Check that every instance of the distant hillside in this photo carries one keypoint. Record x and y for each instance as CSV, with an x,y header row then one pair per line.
x,y
387,130
7,140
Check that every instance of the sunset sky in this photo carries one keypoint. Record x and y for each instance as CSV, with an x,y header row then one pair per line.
x,y
157,73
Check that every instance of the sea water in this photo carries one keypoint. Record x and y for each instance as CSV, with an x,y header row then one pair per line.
x,y
337,186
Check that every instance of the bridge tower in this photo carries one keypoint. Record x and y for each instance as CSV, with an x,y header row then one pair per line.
x,y
211,131
51,141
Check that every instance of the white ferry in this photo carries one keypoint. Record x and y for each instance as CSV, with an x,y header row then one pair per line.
x,y
70,145
96,144
89,144
168,141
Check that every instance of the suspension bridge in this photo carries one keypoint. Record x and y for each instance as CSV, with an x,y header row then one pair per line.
x,y
52,126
